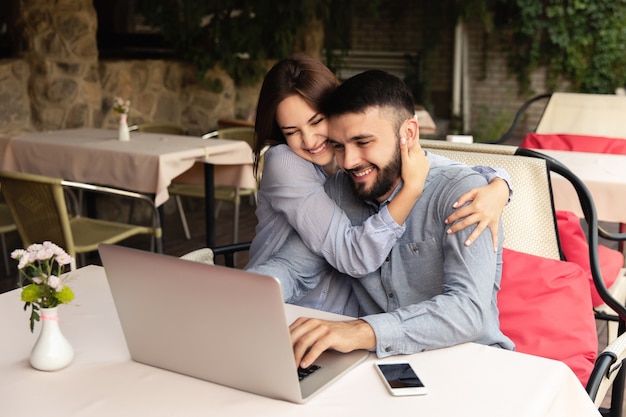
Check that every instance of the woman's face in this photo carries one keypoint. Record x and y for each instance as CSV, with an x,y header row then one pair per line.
x,y
305,130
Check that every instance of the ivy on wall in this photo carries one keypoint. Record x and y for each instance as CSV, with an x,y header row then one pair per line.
x,y
583,41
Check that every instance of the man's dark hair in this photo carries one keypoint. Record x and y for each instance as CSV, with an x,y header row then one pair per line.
x,y
373,88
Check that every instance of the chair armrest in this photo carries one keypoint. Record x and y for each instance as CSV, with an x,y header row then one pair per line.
x,y
606,368
616,237
228,252
211,134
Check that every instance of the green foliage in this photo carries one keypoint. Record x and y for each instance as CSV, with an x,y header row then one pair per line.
x,y
490,126
241,34
580,40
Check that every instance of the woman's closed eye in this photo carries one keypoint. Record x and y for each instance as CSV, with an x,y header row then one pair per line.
x,y
318,121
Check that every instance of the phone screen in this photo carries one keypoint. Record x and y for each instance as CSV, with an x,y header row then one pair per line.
x,y
400,375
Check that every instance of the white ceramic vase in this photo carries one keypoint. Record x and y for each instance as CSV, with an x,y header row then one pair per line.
x,y
124,134
52,351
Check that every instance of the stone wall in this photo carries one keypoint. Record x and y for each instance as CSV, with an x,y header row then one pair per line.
x,y
159,91
59,81
15,116
169,91
59,45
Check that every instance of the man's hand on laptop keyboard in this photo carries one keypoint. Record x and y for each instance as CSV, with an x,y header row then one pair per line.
x,y
311,337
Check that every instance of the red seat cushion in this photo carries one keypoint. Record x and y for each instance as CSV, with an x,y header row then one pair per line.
x,y
577,143
575,249
546,310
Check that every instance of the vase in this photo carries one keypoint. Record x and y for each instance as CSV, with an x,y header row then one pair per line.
x,y
124,134
52,351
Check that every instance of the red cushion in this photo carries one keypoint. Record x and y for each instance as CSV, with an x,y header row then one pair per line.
x,y
575,249
546,310
578,143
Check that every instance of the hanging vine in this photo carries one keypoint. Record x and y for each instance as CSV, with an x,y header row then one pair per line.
x,y
582,41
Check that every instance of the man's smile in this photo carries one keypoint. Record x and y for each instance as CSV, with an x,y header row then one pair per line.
x,y
360,173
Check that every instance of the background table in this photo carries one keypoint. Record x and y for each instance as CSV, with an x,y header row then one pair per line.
x,y
466,380
147,163
603,174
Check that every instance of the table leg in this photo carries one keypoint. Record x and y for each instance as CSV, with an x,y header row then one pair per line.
x,y
209,203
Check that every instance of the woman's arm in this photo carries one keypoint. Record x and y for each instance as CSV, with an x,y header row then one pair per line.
x,y
486,204
415,167
484,210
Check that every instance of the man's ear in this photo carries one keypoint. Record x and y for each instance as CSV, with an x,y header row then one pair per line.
x,y
410,130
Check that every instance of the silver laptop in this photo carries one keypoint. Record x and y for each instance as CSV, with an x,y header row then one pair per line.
x,y
223,325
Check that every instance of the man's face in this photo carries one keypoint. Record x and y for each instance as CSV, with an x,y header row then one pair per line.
x,y
367,149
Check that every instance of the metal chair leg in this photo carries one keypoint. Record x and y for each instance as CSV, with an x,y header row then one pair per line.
x,y
183,217
5,255
236,220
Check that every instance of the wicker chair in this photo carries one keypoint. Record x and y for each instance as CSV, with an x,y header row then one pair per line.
x,y
39,206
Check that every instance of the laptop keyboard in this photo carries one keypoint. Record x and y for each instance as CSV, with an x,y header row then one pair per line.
x,y
304,372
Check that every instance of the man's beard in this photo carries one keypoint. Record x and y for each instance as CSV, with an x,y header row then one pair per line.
x,y
385,179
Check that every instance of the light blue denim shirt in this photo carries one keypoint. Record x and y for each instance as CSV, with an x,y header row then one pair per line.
x,y
431,291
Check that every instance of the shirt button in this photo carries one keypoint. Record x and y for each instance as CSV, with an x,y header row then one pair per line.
x,y
387,259
390,295
388,348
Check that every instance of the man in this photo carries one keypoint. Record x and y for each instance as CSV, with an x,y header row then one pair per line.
x,y
432,291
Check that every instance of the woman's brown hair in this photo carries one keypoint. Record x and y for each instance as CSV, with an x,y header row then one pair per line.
x,y
297,75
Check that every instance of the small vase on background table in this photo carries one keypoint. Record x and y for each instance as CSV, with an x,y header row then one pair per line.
x,y
124,134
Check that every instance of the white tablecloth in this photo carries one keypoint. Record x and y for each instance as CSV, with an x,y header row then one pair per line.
x,y
466,380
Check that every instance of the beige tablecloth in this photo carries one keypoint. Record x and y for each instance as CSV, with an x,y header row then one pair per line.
x,y
603,174
147,163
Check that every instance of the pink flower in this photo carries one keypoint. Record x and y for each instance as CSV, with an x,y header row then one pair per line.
x,y
55,283
64,259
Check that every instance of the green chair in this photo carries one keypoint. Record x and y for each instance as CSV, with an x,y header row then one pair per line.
x,y
42,211
222,193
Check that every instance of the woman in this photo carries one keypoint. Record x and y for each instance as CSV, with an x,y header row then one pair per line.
x,y
292,198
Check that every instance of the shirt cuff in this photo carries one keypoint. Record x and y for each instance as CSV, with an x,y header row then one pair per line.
x,y
388,334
